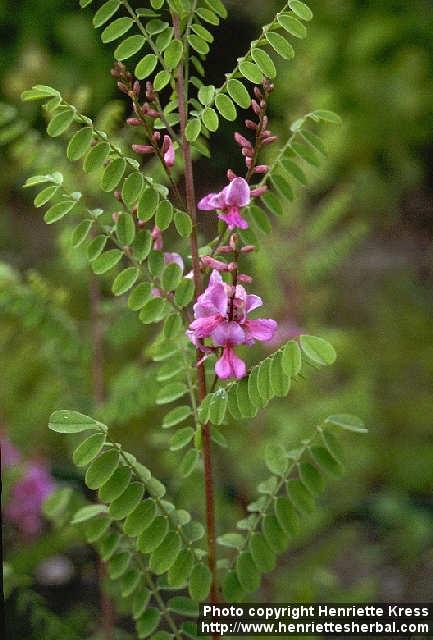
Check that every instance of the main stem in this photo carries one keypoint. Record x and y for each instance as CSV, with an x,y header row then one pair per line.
x,y
201,378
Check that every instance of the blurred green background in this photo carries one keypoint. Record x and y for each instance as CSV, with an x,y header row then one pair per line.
x,y
351,261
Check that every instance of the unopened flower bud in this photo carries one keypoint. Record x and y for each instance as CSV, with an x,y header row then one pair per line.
x,y
233,241
156,236
225,249
262,104
255,107
115,216
242,277
123,88
150,93
137,88
247,152
270,140
250,124
261,168
134,122
211,263
259,191
142,148
249,162
249,248
156,136
231,175
168,151
241,140
141,224
118,196
258,93
265,121
232,266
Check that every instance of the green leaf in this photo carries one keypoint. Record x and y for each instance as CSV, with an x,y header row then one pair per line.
x,y
306,153
181,438
125,280
154,310
132,188
246,571
262,555
311,478
206,94
96,247
271,201
218,406
118,565
318,350
246,407
183,606
326,461
301,9
292,25
45,196
232,589
199,582
113,174
231,540
142,245
79,143
264,380
286,515
238,93
94,529
153,535
173,54
300,497
161,80
327,116
179,414
39,92
282,185
347,422
58,211
211,119
173,325
198,44
57,502
148,622
268,486
182,222
106,261
88,512
184,293
56,177
171,392
128,47
251,72
181,569
188,463
164,215
148,203
116,29
275,536
291,359
127,501
155,26
81,232
171,277
226,107
146,66
108,545
208,16
280,45
165,555
88,449
264,62
218,7
139,296
125,229
280,381
193,129
61,121
96,156
116,485
140,519
102,469
130,582
253,391
105,12
276,459
260,218
140,602
292,168
73,422
333,446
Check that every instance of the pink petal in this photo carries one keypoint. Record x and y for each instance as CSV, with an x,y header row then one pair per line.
x,y
230,365
238,193
228,333
173,257
212,201
203,327
234,219
253,302
169,154
262,330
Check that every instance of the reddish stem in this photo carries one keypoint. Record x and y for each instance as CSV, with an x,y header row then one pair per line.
x,y
191,205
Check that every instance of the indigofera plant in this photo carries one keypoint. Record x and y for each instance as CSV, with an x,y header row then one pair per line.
x,y
196,291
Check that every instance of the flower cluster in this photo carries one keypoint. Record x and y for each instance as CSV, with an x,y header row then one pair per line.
x,y
221,315
144,116
24,504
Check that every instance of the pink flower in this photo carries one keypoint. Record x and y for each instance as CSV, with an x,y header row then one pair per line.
x,y
24,507
221,314
168,151
229,201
